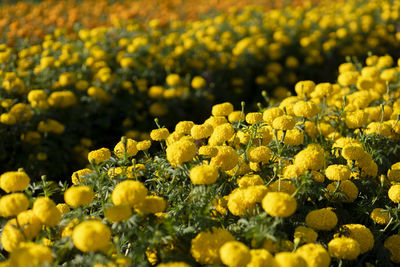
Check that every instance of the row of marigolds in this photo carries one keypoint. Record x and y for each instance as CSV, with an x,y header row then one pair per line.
x,y
111,81
311,182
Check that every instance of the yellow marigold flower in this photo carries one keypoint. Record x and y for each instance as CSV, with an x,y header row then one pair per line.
x,y
130,146
356,119
293,137
223,109
348,188
394,193
311,158
236,116
284,122
151,204
261,258
271,114
289,259
98,93
159,134
348,78
129,192
305,235
36,95
259,154
254,117
242,201
11,237
143,145
234,254
155,91
292,171
117,213
180,152
78,176
91,236
22,112
99,155
173,264
344,248
379,128
80,195
392,243
221,133
315,255
8,119
63,208
305,109
14,181
322,219
50,126
205,246
45,209
226,159
173,79
304,88
384,62
361,234
62,99
393,175
203,174
184,127
250,180
201,131
279,204
321,90
31,254
13,204
348,66
380,216
198,82
208,151
337,172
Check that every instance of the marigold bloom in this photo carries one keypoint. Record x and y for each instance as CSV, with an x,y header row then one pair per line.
x,y
205,246
279,204
392,243
289,259
91,236
315,255
380,216
394,193
99,155
130,148
203,174
322,219
234,254
14,181
31,254
45,209
80,195
223,109
129,192
13,204
344,248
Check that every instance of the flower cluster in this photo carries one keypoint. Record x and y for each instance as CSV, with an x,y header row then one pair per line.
x,y
108,69
307,182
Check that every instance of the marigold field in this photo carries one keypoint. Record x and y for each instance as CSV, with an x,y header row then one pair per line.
x,y
175,133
